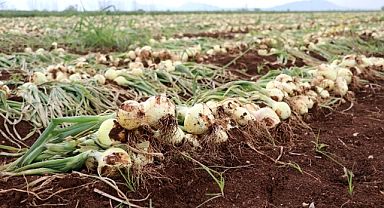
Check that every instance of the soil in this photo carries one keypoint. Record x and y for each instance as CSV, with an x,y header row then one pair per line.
x,y
255,176
251,65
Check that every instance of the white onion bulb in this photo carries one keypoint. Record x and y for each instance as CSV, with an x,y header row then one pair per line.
x,y
157,107
198,119
131,115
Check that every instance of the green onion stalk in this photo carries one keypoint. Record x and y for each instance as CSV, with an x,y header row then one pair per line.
x,y
82,125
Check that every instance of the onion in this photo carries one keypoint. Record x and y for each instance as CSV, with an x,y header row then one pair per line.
x,y
275,94
99,78
112,161
219,134
136,72
262,52
60,76
322,92
327,84
157,107
121,81
327,72
104,132
345,73
242,116
184,56
6,89
341,86
349,60
178,136
131,55
112,73
213,105
311,94
283,78
141,159
266,115
270,85
131,114
308,101
229,105
366,62
299,105
282,109
216,48
134,65
198,119
75,77
251,106
289,87
38,78
192,138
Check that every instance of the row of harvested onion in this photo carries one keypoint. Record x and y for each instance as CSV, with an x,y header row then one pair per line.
x,y
218,118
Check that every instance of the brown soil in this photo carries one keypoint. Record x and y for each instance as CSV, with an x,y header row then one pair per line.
x,y
250,64
224,35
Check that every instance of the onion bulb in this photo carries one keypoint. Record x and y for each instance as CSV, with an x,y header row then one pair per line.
x,y
345,73
283,78
299,105
112,73
307,99
349,60
242,116
251,106
193,139
213,105
275,94
157,107
6,90
282,109
322,92
341,86
198,119
141,159
266,115
219,134
100,79
178,136
112,161
104,133
229,105
38,78
327,72
130,115
327,84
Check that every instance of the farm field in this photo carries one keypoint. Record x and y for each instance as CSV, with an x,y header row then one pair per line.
x,y
192,110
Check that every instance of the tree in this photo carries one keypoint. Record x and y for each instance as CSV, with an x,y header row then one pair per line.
x,y
382,8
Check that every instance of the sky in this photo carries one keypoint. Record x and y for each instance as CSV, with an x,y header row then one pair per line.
x,y
272,3
356,4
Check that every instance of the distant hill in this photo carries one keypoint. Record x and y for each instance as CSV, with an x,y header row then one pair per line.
x,y
309,5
